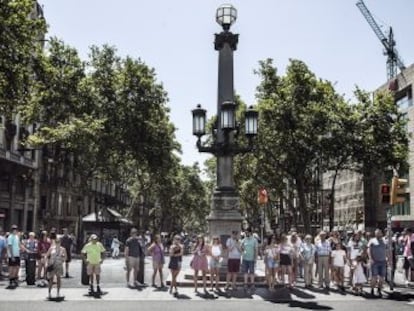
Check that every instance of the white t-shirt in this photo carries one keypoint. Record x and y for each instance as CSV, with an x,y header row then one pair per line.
x,y
338,257
354,249
234,252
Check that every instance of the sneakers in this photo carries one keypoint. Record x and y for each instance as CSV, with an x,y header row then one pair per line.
x,y
98,290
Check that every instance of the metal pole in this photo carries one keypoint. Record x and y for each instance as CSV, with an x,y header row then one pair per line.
x,y
390,250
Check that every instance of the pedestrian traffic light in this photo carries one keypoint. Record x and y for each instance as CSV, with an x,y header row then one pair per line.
x,y
385,193
397,194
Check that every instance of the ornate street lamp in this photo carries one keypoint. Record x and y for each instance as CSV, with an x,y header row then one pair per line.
x,y
225,214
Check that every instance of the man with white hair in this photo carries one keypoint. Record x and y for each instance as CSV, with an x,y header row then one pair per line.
x,y
323,251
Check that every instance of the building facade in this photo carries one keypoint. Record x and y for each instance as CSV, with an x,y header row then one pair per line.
x,y
353,190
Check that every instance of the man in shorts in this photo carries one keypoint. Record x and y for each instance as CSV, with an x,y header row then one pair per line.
x,y
133,252
13,248
377,252
233,264
93,252
67,242
250,248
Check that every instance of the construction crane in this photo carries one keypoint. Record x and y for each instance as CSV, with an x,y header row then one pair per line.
x,y
393,59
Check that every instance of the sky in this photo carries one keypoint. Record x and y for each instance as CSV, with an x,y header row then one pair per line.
x,y
176,38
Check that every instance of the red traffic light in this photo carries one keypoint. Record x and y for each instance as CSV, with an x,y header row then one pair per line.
x,y
385,189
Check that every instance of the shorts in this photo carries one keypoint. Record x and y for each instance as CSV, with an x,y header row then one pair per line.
x,y
379,269
214,263
248,266
233,265
271,263
68,255
93,269
15,262
133,263
285,260
338,269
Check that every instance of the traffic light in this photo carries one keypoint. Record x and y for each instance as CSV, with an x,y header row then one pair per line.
x,y
359,215
397,194
385,193
262,197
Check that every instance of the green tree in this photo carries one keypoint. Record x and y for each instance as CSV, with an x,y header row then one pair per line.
x,y
20,43
294,113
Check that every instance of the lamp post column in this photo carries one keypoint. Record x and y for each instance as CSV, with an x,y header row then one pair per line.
x,y
225,214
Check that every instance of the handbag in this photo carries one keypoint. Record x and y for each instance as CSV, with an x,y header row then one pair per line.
x,y
49,268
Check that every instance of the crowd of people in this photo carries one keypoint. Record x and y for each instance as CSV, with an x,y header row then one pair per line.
x,y
320,260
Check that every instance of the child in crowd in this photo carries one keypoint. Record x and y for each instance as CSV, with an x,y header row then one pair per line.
x,y
359,278
338,265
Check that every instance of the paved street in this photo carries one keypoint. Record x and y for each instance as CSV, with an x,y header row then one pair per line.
x,y
117,296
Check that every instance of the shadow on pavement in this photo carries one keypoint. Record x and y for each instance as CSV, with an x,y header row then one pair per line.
x,y
308,305
206,295
181,296
224,294
240,294
284,295
400,296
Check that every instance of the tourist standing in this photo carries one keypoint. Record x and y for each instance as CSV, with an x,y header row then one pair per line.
x,y
216,251
286,252
43,247
176,258
233,263
271,261
250,247
115,244
156,249
67,242
133,253
199,261
307,253
56,256
338,265
408,244
93,252
377,253
13,247
323,251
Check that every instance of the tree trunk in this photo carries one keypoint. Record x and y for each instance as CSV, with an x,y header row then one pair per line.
x,y
332,203
300,187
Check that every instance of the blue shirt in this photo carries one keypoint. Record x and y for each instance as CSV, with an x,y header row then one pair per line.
x,y
14,241
249,246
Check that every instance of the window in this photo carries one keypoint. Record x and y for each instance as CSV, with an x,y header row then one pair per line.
x,y
402,209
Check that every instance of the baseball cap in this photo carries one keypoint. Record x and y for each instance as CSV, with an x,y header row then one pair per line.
x,y
93,237
14,227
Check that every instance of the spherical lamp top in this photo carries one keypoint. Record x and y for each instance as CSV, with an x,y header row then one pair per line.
x,y
226,15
